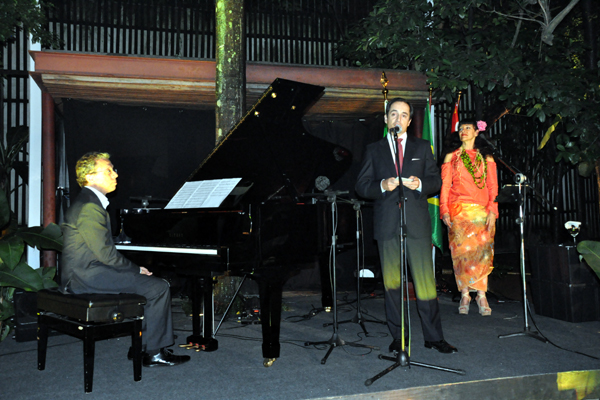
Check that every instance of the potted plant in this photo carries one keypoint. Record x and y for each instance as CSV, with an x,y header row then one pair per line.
x,y
15,273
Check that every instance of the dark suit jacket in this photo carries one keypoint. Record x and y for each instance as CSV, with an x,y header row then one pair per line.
x,y
378,165
90,261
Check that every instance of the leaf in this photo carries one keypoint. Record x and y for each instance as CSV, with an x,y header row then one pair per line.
x,y
11,251
48,238
7,310
549,133
21,277
585,169
590,250
6,329
16,137
47,274
4,210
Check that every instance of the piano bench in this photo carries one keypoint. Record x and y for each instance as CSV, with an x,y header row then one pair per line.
x,y
91,317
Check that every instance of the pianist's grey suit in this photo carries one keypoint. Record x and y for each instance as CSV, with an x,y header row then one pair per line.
x,y
91,264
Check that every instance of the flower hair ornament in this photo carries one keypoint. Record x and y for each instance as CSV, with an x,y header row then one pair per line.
x,y
481,125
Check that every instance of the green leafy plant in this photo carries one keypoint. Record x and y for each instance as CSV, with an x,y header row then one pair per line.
x,y
590,251
15,273
521,58
16,138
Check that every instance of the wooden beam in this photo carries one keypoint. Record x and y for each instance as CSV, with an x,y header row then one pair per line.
x,y
349,92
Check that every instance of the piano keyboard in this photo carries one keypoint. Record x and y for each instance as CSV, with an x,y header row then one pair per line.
x,y
206,251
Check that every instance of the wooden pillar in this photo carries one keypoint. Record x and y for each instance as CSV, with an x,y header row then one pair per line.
x,y
230,80
48,172
417,121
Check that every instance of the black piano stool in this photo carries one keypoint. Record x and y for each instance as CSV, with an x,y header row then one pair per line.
x,y
91,317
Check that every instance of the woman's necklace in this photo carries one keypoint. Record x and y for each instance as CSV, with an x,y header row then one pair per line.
x,y
479,160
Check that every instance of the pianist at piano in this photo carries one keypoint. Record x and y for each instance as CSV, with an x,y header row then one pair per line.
x,y
92,264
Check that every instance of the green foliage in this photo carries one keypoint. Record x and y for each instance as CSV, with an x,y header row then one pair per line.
x,y
10,147
25,15
15,273
494,47
590,250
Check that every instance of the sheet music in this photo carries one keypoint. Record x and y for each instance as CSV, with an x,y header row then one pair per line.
x,y
203,194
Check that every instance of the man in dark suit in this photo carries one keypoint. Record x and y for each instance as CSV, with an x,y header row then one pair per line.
x,y
378,180
92,264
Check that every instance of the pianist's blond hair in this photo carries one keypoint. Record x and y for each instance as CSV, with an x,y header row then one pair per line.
x,y
87,165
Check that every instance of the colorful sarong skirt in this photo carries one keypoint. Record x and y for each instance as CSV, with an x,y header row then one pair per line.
x,y
471,246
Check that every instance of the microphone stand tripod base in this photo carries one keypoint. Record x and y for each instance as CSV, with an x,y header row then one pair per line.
x,y
533,334
403,360
337,341
358,319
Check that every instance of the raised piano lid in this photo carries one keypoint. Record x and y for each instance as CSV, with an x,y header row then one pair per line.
x,y
271,151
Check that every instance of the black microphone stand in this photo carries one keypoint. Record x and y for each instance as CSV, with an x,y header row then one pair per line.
x,y
335,340
507,194
520,180
402,358
358,318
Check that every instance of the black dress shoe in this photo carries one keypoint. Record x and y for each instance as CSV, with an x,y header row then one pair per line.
x,y
442,346
164,358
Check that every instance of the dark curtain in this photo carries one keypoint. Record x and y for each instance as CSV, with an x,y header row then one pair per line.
x,y
154,149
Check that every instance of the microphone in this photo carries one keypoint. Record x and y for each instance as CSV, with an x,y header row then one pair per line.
x,y
396,129
322,182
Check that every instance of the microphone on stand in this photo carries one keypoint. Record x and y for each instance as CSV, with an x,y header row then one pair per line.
x,y
395,131
322,182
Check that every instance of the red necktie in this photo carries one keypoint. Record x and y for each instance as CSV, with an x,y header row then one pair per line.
x,y
400,155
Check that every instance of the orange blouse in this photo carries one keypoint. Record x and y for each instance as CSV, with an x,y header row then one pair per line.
x,y
458,186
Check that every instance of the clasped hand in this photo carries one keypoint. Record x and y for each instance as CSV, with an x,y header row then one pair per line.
x,y
392,183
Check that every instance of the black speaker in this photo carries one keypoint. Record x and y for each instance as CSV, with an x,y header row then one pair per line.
x,y
25,316
563,287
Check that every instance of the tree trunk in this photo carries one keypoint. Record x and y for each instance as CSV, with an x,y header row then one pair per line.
x,y
590,34
230,79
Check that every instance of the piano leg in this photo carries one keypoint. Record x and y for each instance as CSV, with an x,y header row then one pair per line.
x,y
270,291
202,296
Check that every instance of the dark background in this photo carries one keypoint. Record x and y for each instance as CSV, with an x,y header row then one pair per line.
x,y
155,150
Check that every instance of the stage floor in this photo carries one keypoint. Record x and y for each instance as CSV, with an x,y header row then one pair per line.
x,y
508,368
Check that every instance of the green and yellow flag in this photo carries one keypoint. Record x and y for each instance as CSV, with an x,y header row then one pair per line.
x,y
434,201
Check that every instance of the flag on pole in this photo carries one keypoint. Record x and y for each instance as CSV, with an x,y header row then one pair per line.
x,y
385,130
434,201
454,124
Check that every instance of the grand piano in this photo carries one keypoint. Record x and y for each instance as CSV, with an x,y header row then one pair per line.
x,y
274,221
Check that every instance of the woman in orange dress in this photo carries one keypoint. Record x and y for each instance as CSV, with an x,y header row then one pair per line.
x,y
467,207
